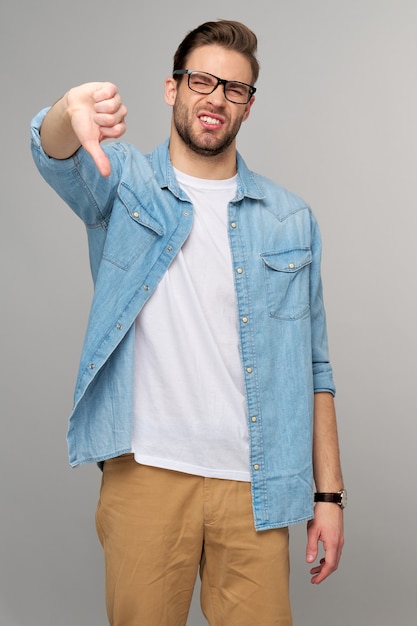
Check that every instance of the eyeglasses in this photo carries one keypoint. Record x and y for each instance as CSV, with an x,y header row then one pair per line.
x,y
205,83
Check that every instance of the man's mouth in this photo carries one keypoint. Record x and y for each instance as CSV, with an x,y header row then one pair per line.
x,y
210,120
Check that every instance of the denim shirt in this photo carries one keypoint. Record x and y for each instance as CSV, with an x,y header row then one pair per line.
x,y
137,219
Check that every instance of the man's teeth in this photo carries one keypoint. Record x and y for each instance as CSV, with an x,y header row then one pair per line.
x,y
209,120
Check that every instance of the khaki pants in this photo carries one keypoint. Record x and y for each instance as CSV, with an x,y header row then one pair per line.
x,y
158,527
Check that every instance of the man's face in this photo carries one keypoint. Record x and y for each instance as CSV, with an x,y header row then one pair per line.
x,y
208,124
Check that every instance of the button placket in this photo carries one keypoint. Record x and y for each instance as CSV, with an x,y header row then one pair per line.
x,y
246,329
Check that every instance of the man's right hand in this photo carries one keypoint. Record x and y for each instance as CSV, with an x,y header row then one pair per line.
x,y
84,117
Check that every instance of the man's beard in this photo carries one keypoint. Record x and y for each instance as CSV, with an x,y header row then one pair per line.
x,y
207,145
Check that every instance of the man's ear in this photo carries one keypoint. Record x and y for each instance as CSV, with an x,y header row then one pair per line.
x,y
170,91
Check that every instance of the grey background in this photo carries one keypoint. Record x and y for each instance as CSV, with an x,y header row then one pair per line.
x,y
335,121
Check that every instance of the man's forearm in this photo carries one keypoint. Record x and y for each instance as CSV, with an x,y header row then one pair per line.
x,y
326,455
57,135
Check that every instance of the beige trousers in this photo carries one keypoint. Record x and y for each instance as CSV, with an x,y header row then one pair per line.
x,y
159,527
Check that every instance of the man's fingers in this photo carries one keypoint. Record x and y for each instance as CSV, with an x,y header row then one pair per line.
x,y
110,105
328,564
105,91
104,121
312,543
322,571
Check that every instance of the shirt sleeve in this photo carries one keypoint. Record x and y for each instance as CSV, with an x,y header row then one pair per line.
x,y
77,180
322,369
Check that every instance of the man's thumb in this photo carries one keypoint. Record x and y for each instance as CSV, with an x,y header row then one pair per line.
x,y
99,157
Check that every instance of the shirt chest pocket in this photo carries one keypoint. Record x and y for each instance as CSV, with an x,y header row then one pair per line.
x,y
130,233
287,282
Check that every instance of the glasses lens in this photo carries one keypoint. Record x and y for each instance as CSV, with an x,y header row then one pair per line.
x,y
201,82
238,92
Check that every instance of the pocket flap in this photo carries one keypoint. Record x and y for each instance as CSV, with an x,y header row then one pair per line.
x,y
137,209
288,260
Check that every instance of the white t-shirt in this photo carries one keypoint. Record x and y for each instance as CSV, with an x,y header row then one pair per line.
x,y
190,410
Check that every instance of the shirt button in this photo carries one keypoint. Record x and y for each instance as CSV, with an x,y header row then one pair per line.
x,y
186,213
256,467
92,366
254,418
135,214
169,248
233,224
291,266
119,326
146,287
245,320
239,270
249,370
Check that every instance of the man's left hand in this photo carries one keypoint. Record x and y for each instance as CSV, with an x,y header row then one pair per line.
x,y
327,527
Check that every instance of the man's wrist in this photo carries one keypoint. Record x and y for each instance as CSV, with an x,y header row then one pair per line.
x,y
336,497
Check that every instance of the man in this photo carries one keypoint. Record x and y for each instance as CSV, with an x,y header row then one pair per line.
x,y
205,391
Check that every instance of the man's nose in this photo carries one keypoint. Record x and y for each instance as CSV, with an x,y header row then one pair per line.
x,y
217,96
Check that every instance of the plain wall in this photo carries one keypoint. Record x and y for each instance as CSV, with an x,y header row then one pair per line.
x,y
334,121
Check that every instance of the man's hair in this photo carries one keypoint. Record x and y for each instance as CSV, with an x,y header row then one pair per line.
x,y
227,33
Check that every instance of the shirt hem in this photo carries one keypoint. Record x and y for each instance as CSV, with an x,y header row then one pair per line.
x,y
193,470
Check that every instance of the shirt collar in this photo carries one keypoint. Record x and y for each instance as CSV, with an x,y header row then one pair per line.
x,y
159,159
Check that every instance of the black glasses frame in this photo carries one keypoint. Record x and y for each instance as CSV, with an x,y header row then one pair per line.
x,y
220,81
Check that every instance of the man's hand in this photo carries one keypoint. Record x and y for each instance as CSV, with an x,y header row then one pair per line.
x,y
85,116
96,112
327,527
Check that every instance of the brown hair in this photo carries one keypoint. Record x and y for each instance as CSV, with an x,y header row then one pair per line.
x,y
226,33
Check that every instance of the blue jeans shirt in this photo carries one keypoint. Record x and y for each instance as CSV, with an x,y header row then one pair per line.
x,y
137,219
